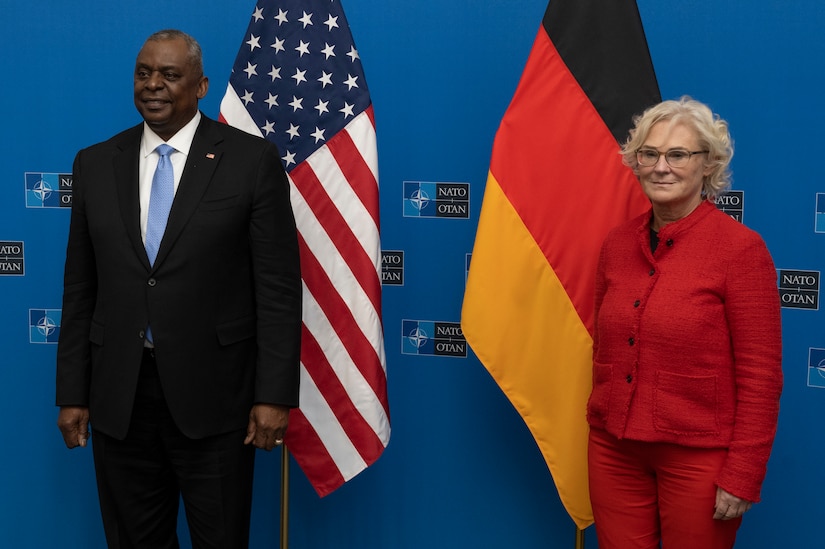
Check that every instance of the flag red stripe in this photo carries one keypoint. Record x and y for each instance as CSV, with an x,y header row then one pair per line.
x,y
338,230
311,454
360,433
340,317
356,171
585,188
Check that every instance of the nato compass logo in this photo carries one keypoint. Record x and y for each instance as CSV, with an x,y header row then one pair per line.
x,y
819,223
12,261
816,367
392,268
799,289
48,190
426,199
44,325
424,337
733,204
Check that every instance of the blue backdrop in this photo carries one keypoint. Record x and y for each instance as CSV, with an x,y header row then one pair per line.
x,y
461,469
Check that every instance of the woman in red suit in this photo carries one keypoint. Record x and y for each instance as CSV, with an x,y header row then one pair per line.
x,y
687,351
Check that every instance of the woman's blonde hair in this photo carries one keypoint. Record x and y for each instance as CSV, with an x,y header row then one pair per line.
x,y
711,131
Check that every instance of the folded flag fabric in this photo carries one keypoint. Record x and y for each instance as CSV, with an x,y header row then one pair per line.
x,y
555,187
298,81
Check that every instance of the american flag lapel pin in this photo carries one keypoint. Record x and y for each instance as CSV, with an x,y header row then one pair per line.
x,y
210,156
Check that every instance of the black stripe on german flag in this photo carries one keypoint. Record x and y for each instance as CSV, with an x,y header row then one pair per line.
x,y
603,44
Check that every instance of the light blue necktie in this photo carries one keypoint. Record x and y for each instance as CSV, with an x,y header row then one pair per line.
x,y
160,201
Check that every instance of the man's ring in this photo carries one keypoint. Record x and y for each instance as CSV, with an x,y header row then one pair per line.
x,y
279,441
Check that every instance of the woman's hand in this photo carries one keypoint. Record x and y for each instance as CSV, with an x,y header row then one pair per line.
x,y
729,506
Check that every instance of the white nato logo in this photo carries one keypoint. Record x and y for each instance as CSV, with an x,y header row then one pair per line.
x,y
820,368
816,367
418,337
42,190
419,199
46,326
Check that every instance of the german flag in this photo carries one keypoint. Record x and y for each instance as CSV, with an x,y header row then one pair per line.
x,y
556,186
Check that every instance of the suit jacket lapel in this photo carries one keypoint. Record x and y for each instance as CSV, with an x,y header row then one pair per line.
x,y
126,169
197,173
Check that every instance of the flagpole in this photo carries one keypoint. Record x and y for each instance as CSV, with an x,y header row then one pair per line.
x,y
284,497
579,538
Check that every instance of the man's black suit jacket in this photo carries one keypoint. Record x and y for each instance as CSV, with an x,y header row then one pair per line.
x,y
223,297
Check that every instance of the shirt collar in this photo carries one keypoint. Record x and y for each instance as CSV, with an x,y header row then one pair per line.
x,y
181,141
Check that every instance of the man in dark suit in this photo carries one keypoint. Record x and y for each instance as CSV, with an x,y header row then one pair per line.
x,y
184,362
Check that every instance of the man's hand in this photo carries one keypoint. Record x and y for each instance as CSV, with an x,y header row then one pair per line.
x,y
729,506
267,426
73,422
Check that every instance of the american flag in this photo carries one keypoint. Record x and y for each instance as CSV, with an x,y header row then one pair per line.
x,y
298,82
